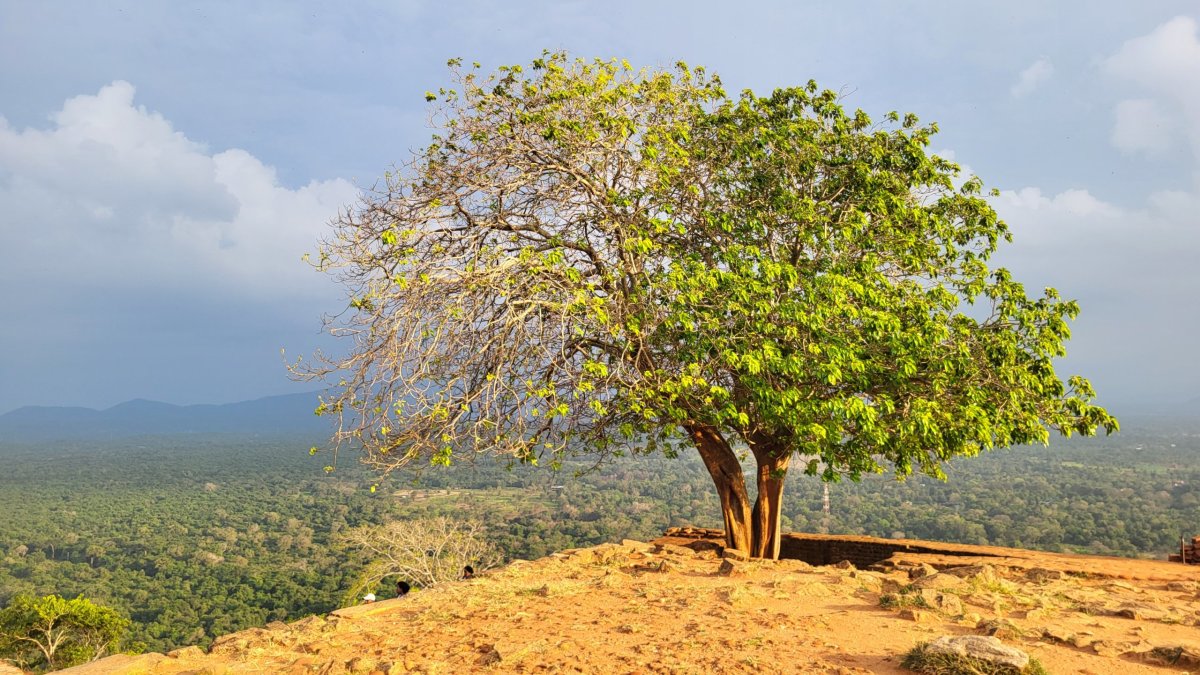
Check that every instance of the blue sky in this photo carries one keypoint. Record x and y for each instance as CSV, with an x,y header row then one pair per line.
x,y
163,166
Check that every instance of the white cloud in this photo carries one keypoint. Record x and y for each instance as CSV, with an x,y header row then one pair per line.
x,y
1133,272
113,195
1141,126
1031,78
1165,64
1069,202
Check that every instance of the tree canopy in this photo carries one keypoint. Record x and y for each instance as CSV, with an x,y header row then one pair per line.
x,y
52,632
590,258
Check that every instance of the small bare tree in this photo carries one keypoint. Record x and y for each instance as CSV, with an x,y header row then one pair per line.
x,y
424,552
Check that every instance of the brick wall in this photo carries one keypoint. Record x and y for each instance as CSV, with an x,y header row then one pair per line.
x,y
827,549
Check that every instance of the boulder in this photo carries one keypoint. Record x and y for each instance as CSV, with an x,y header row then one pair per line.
x,y
981,648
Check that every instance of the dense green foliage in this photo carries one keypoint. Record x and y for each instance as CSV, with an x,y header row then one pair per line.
x,y
189,539
52,632
193,539
590,258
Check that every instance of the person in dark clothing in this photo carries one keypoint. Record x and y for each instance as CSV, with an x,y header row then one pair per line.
x,y
468,572
402,588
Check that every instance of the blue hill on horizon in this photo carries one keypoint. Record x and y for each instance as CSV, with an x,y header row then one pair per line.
x,y
285,414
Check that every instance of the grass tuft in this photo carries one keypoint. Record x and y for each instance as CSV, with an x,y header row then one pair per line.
x,y
906,597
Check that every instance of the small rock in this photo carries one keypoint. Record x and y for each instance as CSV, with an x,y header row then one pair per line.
x,y
734,554
1082,640
1109,649
982,572
869,580
922,570
918,615
636,545
1040,575
1037,614
206,669
946,603
938,581
672,549
331,667
584,556
793,565
704,545
1138,612
1000,629
192,652
1057,634
987,649
730,569
313,621
844,565
488,657
228,644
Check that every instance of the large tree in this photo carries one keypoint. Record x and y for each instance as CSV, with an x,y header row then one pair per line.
x,y
590,258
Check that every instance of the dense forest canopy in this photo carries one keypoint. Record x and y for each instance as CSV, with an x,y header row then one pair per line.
x,y
197,537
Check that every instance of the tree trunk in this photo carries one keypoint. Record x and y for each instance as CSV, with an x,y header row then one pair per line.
x,y
726,472
772,469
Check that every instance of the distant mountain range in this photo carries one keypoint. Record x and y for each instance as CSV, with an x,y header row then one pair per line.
x,y
273,415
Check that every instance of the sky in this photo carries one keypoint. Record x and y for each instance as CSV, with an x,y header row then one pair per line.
x,y
165,165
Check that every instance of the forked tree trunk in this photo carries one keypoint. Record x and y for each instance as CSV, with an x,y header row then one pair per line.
x,y
772,468
726,472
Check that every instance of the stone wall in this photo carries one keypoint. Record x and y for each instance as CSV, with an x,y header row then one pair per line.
x,y
827,549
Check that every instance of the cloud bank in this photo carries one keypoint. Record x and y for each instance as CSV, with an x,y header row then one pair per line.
x,y
1132,267
112,193
126,242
